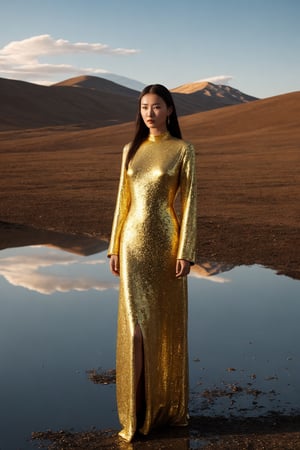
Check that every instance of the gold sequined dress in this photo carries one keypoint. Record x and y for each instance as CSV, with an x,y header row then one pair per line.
x,y
149,237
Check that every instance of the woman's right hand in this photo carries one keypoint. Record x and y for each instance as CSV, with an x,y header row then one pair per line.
x,y
114,265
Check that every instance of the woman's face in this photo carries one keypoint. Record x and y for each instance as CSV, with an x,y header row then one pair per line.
x,y
155,112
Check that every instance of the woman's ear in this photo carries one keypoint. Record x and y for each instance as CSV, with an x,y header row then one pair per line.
x,y
170,110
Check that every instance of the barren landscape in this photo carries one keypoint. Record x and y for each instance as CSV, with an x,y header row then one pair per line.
x,y
65,178
60,172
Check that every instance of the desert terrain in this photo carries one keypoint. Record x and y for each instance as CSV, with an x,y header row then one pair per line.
x,y
65,178
59,178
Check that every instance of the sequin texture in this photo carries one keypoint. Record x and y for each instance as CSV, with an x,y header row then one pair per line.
x,y
148,236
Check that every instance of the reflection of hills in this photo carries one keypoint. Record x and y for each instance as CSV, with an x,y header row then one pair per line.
x,y
12,235
90,101
209,268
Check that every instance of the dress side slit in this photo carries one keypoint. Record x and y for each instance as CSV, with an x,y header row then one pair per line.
x,y
139,375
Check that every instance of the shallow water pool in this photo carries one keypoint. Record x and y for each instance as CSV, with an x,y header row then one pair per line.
x,y
58,321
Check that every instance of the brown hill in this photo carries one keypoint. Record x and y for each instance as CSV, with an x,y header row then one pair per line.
x,y
247,169
255,148
189,98
91,102
27,105
280,113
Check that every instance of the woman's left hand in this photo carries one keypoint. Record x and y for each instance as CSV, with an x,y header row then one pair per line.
x,y
182,268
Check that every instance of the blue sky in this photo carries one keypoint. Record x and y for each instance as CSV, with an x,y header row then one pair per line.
x,y
253,45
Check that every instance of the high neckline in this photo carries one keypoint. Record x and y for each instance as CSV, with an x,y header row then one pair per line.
x,y
159,137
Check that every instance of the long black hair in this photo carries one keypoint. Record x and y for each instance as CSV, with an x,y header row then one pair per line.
x,y
141,130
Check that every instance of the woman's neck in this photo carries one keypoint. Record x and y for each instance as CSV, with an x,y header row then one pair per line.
x,y
157,131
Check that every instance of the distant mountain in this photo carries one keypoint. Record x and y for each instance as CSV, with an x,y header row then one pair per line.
x,y
90,102
212,94
98,84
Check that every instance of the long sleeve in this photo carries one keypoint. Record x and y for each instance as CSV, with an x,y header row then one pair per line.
x,y
188,227
121,209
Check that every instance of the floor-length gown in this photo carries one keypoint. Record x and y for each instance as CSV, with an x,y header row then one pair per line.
x,y
149,237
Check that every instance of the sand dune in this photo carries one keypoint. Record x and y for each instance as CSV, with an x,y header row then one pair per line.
x,y
91,102
247,168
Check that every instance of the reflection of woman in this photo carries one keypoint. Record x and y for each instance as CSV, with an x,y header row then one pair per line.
x,y
151,250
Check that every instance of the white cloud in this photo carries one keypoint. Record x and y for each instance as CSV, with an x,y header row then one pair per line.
x,y
45,45
20,59
219,79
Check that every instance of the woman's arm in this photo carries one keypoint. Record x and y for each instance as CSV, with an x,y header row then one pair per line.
x,y
114,265
121,209
188,224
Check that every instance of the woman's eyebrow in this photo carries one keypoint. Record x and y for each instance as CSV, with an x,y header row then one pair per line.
x,y
152,104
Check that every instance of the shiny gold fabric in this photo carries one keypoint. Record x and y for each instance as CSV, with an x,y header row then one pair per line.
x,y
148,237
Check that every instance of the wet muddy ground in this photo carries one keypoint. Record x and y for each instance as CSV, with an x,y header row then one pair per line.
x,y
272,431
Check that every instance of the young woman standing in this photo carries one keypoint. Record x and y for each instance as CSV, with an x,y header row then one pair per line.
x,y
151,249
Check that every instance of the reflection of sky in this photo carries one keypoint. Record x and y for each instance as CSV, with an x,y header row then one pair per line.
x,y
50,270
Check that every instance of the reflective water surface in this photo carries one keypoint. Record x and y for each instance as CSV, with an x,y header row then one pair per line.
x,y
58,313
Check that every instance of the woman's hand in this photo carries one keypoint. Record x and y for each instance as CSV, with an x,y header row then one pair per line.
x,y
114,265
182,268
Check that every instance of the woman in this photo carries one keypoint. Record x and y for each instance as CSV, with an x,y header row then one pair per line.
x,y
152,250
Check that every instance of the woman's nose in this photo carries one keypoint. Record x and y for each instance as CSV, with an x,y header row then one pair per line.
x,y
150,112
